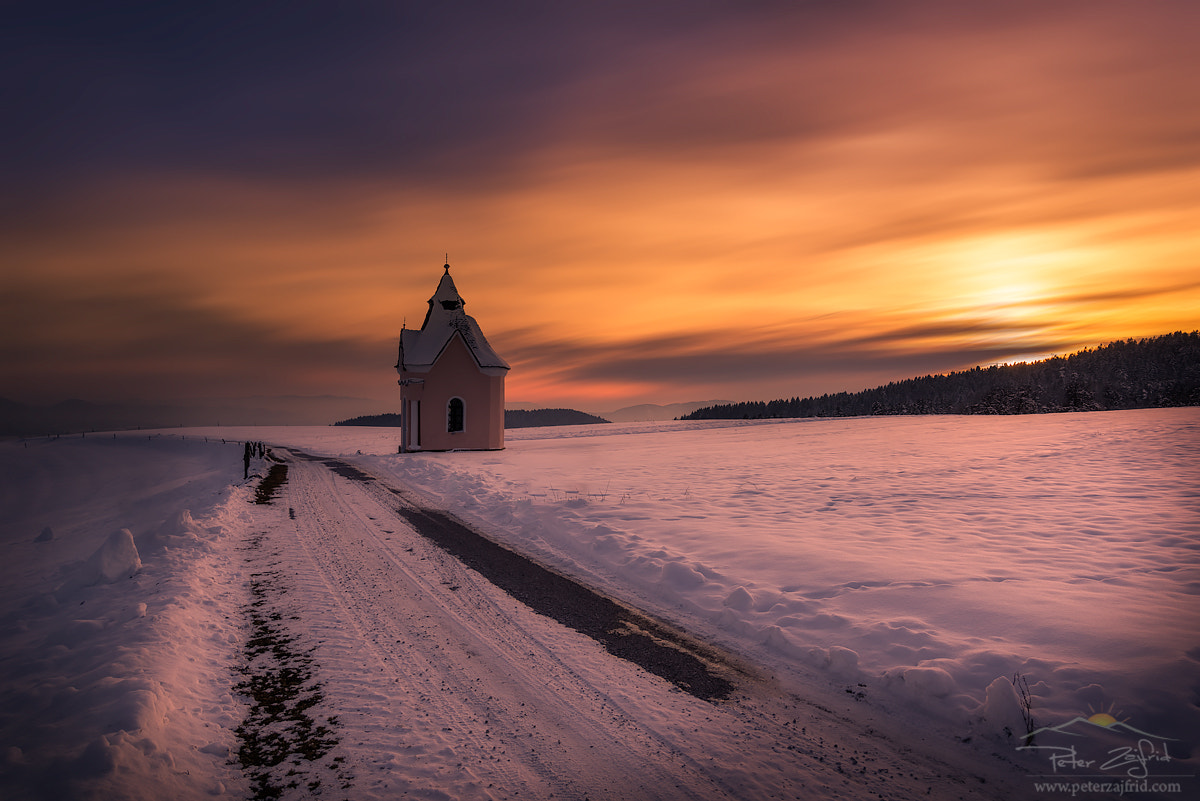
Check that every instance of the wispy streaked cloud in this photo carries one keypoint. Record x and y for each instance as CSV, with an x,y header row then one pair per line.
x,y
642,202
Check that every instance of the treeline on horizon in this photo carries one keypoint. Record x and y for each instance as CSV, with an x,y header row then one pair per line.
x,y
1130,374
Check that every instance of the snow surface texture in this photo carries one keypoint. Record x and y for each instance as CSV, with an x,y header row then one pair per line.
x,y
906,566
114,653
930,555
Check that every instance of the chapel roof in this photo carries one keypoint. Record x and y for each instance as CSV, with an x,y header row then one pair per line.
x,y
445,320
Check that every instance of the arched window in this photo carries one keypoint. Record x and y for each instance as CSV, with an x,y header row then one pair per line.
x,y
455,415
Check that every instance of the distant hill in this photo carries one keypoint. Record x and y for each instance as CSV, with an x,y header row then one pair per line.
x,y
530,418
513,418
646,412
1130,374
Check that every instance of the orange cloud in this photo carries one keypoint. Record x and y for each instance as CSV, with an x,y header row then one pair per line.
x,y
767,204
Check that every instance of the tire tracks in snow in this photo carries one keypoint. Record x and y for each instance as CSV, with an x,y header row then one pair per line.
x,y
654,646
446,686
459,696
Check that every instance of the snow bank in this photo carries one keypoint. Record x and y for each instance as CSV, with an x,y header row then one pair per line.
x,y
117,621
116,559
925,557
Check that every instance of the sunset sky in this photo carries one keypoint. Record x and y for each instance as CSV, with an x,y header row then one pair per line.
x,y
641,201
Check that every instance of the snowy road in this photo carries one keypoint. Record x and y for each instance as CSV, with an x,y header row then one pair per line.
x,y
440,685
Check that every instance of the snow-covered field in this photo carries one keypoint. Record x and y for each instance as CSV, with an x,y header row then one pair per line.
x,y
886,568
110,659
1062,547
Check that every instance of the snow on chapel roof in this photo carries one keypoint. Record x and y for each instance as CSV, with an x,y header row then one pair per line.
x,y
445,319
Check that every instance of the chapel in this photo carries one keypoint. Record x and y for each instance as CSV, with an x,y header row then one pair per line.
x,y
451,380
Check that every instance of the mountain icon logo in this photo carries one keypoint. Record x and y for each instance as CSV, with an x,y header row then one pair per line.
x,y
1078,727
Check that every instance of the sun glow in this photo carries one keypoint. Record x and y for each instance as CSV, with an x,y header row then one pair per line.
x,y
1011,276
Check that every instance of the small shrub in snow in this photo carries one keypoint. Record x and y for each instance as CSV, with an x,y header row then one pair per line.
x,y
1021,686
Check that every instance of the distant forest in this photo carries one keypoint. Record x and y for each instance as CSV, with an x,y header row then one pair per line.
x,y
382,420
1129,374
513,418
